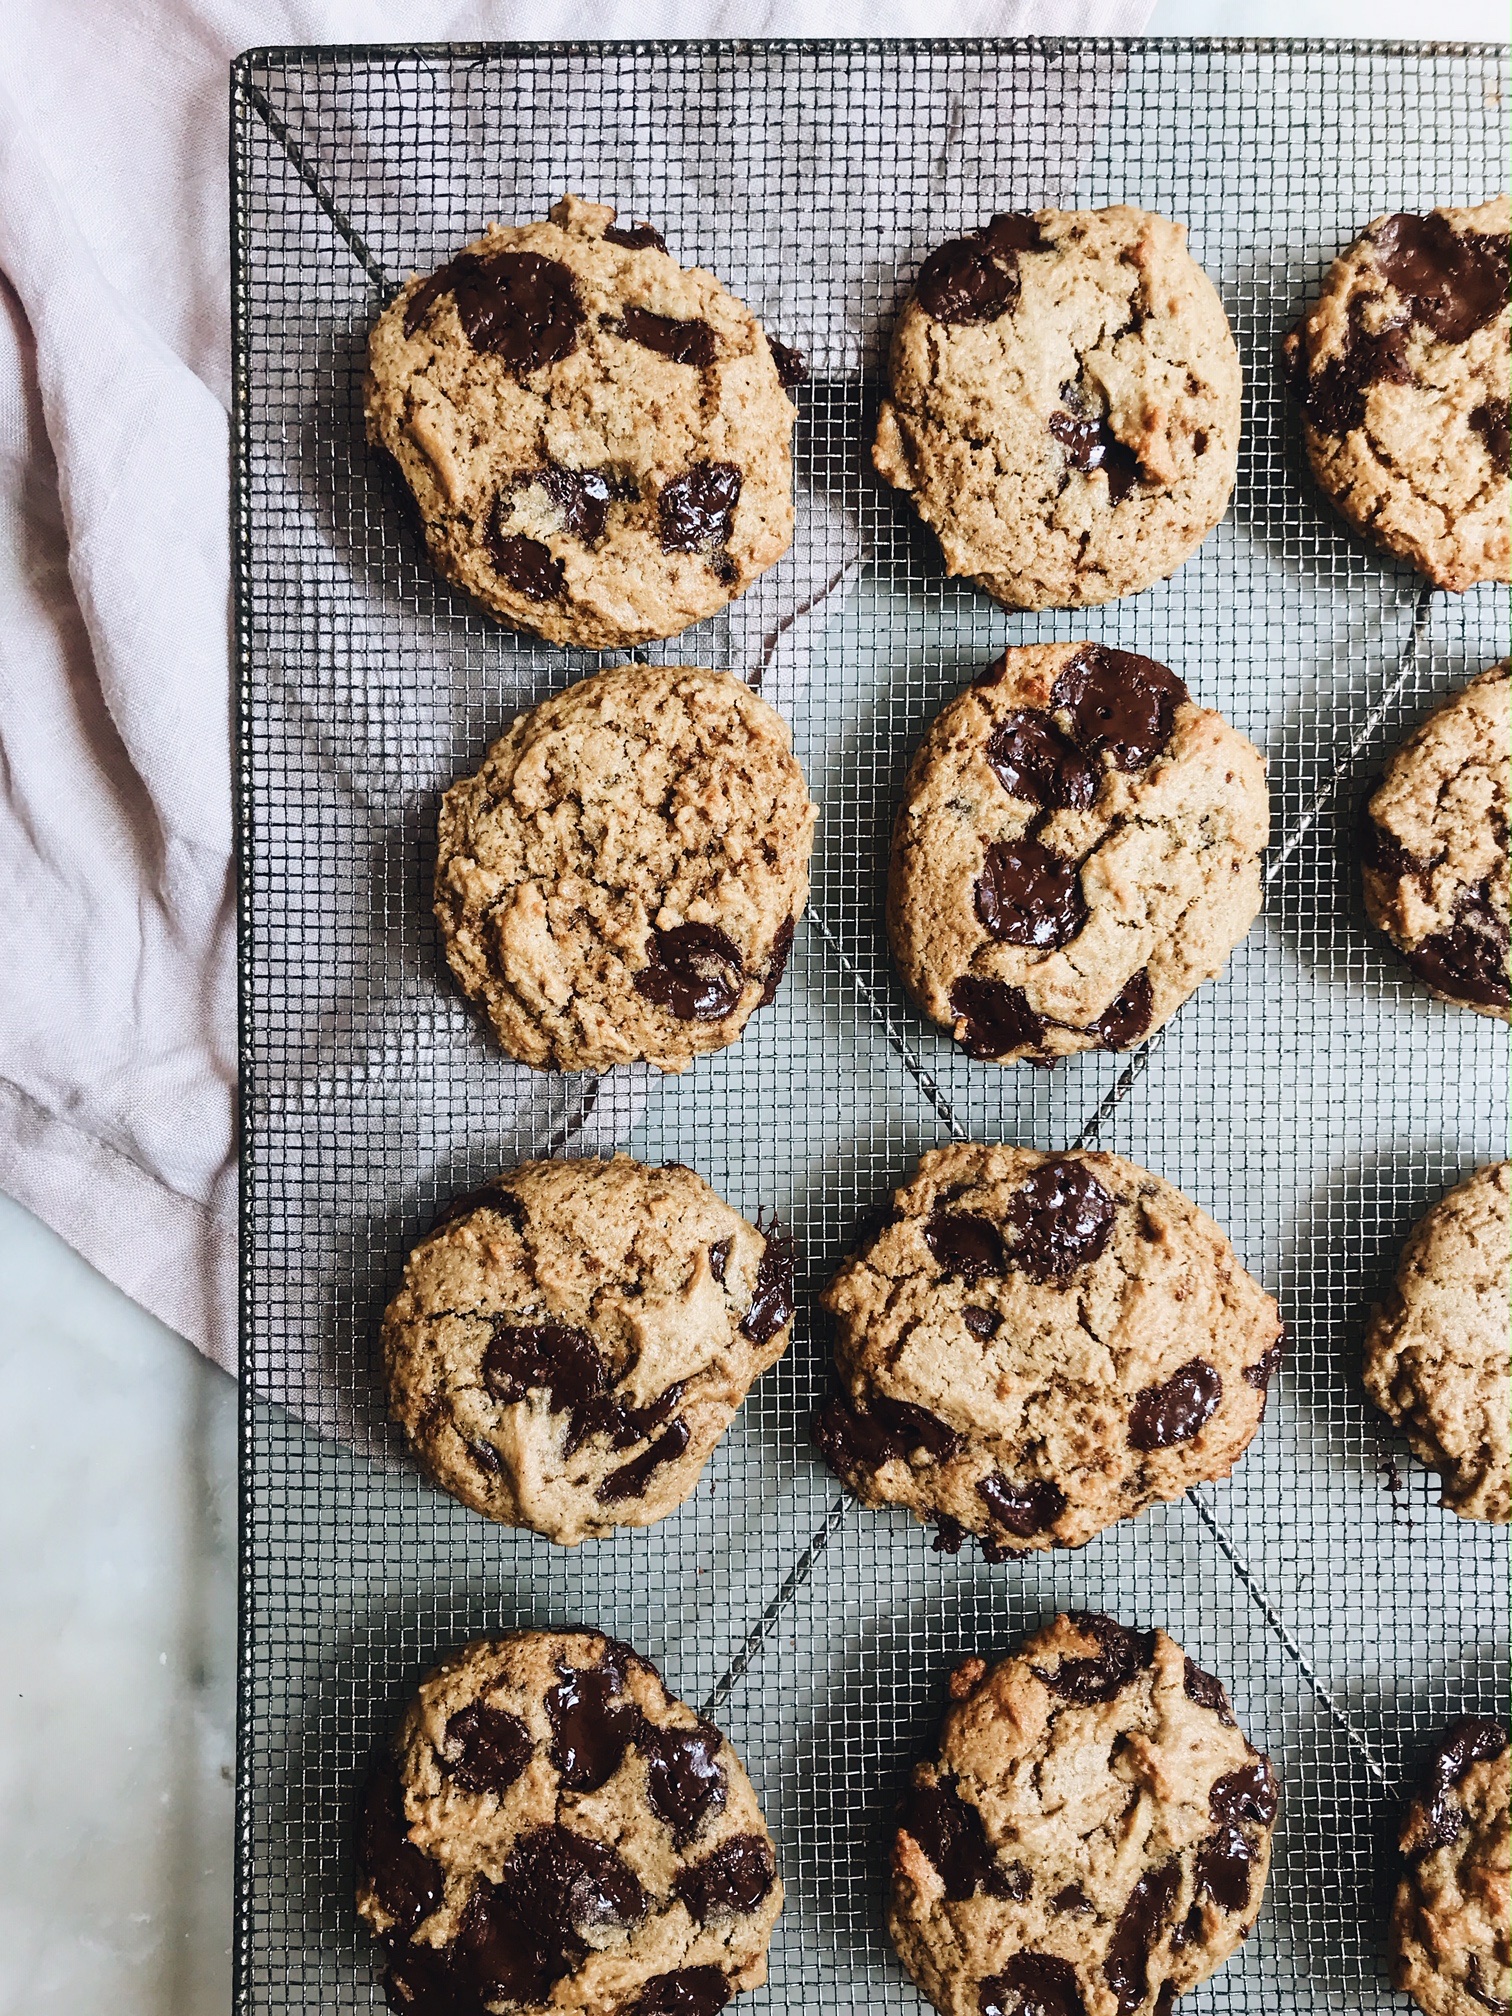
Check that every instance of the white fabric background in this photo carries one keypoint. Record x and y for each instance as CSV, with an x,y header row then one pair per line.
x,y
117,985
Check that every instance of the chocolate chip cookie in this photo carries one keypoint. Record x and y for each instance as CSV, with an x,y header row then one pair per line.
x,y
1449,1942
1093,1838
571,1342
598,439
622,878
1065,405
1401,373
1031,1346
552,1830
1436,1352
1434,847
1077,849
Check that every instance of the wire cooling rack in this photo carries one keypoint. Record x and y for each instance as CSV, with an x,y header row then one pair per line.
x,y
1313,1099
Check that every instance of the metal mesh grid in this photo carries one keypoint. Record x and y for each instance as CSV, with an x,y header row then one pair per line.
x,y
1312,1099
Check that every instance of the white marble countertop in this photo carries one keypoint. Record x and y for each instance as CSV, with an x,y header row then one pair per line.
x,y
118,1568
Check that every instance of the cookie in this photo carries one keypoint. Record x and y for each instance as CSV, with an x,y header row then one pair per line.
x,y
551,1830
1093,1838
1449,1946
1031,1346
1077,849
1436,1351
1401,373
597,438
570,1343
1065,405
622,878
1434,847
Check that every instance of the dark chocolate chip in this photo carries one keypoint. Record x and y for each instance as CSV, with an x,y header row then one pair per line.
x,y
697,509
691,1991
583,497
1468,962
1475,1740
405,1881
486,1457
1260,1374
695,971
631,1479
777,960
1103,1676
636,238
1074,1900
851,1441
1090,445
1015,231
1208,1692
951,1835
1027,895
772,1304
1490,422
514,305
1024,1507
734,1878
1032,759
1498,2004
1120,702
1455,282
1063,1217
1140,1925
997,1017
974,279
964,1243
690,342
1173,1412
493,1747
792,365
685,1782
526,564
982,1323
593,1721
1032,1984
1127,1015
719,1257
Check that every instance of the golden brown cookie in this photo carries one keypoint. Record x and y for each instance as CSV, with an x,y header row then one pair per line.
x,y
1450,1949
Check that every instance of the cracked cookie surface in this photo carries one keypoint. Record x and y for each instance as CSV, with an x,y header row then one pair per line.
x,y
1450,1948
1065,405
570,1343
1077,849
551,1830
597,438
1436,1353
622,878
1434,847
1401,372
1092,1839
1032,1346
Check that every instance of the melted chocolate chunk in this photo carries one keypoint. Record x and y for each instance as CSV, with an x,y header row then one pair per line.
x,y
691,342
1225,1860
1140,1924
1472,1741
1127,1015
624,1425
1032,759
1164,1415
1455,282
850,1441
719,1257
697,509
1024,1508
514,305
1027,895
1490,422
1208,1692
975,279
1469,960
562,1885
1260,1374
1015,231
695,971
964,1243
494,1748
1120,702
631,1479
1334,398
982,1323
1074,1900
951,1834
691,1991
486,1457
525,1357
1384,853
734,1878
772,1304
637,238
1032,1984
406,1882
1246,1794
1474,1986
526,564
684,1780
950,1537
792,365
1091,445
424,1981
1064,1218
593,1722
782,946
583,497
998,1017
1103,1676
